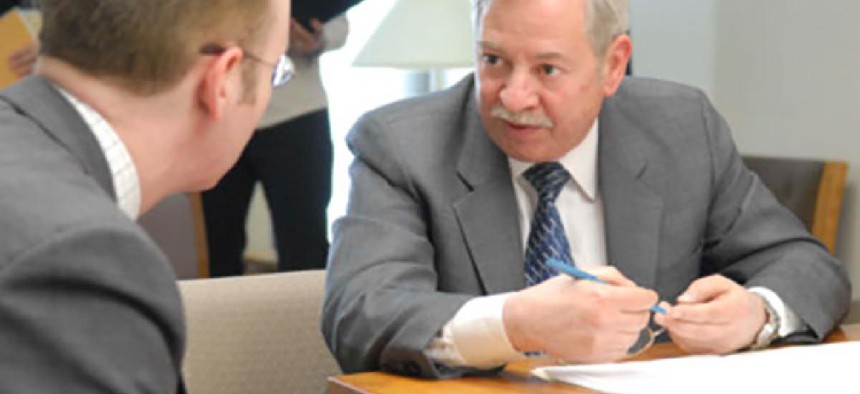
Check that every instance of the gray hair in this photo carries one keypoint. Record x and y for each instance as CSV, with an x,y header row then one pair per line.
x,y
605,19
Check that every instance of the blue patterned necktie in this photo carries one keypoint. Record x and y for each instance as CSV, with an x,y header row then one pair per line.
x,y
546,237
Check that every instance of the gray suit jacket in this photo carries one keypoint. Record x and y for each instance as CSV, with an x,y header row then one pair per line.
x,y
432,220
88,304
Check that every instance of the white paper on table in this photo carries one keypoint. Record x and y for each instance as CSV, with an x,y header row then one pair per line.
x,y
826,368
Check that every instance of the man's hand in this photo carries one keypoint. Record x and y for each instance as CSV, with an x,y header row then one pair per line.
x,y
579,321
304,42
23,60
714,316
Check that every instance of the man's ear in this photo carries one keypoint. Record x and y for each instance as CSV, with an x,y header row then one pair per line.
x,y
615,63
221,81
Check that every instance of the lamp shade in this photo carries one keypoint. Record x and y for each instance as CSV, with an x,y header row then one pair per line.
x,y
422,35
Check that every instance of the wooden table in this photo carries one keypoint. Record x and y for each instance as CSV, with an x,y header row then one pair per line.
x,y
514,379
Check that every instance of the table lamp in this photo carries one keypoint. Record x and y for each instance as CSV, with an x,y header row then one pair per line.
x,y
422,35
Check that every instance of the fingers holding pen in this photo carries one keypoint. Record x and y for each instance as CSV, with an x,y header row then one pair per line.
x,y
714,315
631,297
610,275
577,319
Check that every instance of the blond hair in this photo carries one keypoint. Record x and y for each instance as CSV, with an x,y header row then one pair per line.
x,y
147,46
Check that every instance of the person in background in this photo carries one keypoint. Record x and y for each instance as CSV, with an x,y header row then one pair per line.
x,y
21,60
6,5
291,156
460,198
151,98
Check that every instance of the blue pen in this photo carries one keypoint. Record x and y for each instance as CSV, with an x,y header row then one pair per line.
x,y
580,274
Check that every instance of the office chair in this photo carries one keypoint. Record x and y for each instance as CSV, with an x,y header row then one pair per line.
x,y
812,189
177,226
256,334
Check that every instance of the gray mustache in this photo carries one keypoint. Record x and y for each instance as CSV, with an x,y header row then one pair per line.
x,y
521,118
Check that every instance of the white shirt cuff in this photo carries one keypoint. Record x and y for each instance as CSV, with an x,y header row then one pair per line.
x,y
475,337
790,322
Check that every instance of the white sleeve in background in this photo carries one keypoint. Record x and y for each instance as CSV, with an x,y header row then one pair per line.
x,y
335,32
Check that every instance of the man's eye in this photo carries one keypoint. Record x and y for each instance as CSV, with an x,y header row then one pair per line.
x,y
549,69
491,59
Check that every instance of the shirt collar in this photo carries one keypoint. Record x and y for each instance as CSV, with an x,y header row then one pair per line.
x,y
580,162
123,171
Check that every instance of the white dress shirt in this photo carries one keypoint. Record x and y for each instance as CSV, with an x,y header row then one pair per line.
x,y
475,336
126,183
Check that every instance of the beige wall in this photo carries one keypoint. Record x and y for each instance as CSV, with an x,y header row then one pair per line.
x,y
788,79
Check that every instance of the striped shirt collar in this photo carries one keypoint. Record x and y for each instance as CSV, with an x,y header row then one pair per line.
x,y
126,183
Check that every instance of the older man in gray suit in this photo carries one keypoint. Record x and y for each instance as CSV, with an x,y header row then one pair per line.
x,y
460,197
132,101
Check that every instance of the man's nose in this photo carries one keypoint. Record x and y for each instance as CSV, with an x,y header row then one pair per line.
x,y
518,93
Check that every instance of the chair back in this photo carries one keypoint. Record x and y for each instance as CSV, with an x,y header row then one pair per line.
x,y
812,189
256,334
176,225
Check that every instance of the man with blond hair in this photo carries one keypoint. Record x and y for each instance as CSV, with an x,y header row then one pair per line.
x,y
461,198
131,101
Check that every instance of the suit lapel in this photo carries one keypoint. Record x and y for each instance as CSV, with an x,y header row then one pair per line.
x,y
36,98
487,213
632,211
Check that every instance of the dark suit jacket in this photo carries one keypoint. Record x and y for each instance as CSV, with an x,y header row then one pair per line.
x,y
6,5
432,220
322,10
88,304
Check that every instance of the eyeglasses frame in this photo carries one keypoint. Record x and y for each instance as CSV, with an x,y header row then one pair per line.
x,y
282,71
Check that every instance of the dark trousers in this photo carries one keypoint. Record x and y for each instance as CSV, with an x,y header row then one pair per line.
x,y
293,161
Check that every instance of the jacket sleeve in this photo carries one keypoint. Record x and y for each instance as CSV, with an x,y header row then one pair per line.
x,y
753,239
93,308
382,306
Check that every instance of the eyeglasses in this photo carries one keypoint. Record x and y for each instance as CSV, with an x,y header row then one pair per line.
x,y
282,71
646,339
